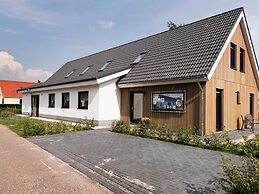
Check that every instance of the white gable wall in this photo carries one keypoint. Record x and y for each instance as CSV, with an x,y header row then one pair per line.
x,y
109,102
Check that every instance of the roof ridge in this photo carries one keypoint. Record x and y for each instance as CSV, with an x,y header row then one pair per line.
x,y
166,31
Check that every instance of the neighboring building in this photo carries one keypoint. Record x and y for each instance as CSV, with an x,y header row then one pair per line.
x,y
202,75
8,91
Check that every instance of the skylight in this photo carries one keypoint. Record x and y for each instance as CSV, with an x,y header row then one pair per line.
x,y
105,65
138,59
70,74
85,70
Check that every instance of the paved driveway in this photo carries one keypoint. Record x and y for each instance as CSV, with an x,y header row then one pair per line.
x,y
127,164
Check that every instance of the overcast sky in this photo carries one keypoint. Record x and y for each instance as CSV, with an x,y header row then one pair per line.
x,y
38,36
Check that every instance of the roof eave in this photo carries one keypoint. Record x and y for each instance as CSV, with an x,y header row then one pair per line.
x,y
166,82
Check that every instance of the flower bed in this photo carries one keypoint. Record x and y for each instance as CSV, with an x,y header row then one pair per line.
x,y
219,142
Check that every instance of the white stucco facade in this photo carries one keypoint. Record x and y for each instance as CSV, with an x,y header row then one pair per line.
x,y
11,100
103,101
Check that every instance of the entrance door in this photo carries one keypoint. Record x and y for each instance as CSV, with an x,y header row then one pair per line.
x,y
35,102
136,110
252,105
218,110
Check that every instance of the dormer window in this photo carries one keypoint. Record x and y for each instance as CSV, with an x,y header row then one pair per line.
x,y
138,59
85,70
104,66
70,74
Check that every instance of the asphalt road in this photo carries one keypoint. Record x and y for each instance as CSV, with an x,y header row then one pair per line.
x,y
127,164
26,168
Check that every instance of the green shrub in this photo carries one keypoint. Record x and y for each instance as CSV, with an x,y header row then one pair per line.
x,y
184,136
85,124
250,147
239,179
5,114
120,127
27,127
142,129
196,140
217,141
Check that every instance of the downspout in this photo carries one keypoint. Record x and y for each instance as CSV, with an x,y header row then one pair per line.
x,y
202,109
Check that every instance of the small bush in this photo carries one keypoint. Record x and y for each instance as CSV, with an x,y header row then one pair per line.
x,y
239,179
184,136
27,127
120,127
196,140
250,147
84,124
217,141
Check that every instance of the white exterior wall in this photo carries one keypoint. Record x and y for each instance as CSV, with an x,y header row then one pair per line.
x,y
1,96
109,101
26,104
72,111
103,102
11,100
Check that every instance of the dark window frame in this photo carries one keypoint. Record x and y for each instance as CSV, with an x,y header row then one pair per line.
x,y
238,97
50,104
242,60
233,58
79,100
63,100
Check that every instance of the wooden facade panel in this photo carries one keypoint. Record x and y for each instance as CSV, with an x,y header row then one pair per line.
x,y
231,81
188,119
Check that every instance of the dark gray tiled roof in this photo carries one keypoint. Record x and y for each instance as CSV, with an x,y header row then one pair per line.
x,y
185,52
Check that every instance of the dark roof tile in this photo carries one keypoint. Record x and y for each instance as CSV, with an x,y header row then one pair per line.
x,y
184,52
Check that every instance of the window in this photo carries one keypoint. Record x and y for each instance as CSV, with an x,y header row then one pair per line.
x,y
104,66
238,97
233,56
51,100
85,70
83,100
70,74
138,59
65,100
242,60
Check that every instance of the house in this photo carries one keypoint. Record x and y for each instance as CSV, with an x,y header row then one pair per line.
x,y
203,75
8,91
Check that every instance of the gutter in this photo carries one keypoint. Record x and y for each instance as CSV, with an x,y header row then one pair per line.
x,y
202,109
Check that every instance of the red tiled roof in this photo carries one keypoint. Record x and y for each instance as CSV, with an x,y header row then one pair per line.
x,y
9,88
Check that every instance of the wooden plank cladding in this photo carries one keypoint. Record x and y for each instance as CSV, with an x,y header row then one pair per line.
x,y
188,119
233,83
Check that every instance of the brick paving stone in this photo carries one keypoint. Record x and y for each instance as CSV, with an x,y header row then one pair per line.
x,y
168,167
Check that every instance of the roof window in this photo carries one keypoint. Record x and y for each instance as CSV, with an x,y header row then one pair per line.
x,y
85,70
104,66
138,59
70,74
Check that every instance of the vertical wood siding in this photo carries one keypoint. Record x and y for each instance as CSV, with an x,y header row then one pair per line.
x,y
188,119
231,81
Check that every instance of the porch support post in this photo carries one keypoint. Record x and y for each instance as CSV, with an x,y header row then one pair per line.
x,y
202,109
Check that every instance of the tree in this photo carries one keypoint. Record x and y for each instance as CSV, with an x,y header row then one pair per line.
x,y
171,25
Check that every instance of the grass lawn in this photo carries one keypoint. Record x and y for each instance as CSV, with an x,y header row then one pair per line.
x,y
27,127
